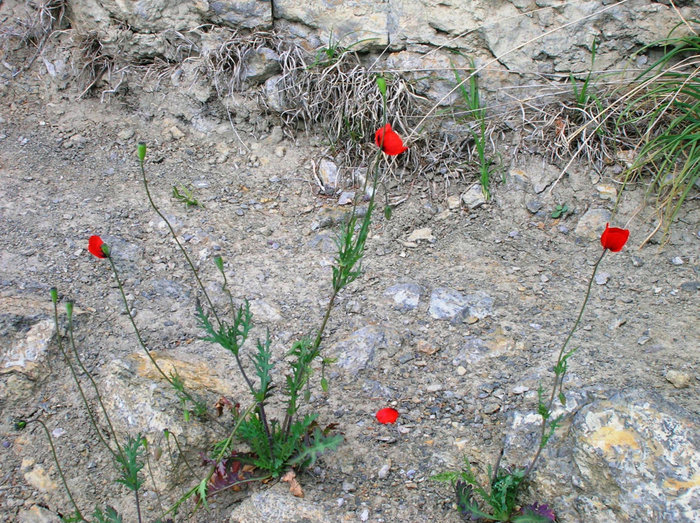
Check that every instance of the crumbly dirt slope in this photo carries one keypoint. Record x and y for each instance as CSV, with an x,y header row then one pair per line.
x,y
68,170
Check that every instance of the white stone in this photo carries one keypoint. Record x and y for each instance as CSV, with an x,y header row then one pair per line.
x,y
474,197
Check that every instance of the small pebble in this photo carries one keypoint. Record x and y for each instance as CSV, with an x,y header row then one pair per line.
x,y
677,260
126,134
492,408
602,278
533,206
406,358
364,515
348,486
678,379
461,370
384,471
690,286
346,197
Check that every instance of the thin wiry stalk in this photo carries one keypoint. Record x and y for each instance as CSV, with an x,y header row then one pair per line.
x,y
59,469
92,381
558,375
194,270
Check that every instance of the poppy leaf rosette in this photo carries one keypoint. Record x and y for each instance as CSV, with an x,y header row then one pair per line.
x,y
614,238
387,415
97,247
388,141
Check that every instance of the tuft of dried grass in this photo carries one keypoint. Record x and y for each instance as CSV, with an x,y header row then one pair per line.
x,y
31,30
98,70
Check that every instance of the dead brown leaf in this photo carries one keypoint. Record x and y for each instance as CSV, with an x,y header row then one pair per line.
x,y
294,486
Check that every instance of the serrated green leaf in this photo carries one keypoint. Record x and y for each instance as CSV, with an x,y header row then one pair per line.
x,y
110,515
324,384
446,477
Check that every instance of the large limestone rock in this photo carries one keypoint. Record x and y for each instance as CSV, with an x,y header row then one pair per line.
x,y
509,41
153,16
143,29
633,457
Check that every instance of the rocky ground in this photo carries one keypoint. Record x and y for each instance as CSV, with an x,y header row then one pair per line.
x,y
455,322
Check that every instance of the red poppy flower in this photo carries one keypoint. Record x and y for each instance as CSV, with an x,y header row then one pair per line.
x,y
614,238
95,244
387,415
392,143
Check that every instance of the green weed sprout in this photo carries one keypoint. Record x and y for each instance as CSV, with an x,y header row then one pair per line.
x,y
582,94
478,114
186,196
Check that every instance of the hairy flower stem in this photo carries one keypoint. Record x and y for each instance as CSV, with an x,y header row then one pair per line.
x,y
69,309
184,252
326,316
58,467
559,376
138,505
186,394
80,388
260,405
179,448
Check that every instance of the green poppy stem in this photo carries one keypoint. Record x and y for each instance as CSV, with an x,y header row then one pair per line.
x,y
559,376
172,232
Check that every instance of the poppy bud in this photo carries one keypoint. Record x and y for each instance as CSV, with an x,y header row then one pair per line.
x,y
69,309
381,84
141,151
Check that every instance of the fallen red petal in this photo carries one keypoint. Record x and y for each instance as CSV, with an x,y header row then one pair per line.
x,y
387,415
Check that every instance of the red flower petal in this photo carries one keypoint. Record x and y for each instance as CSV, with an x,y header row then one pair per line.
x,y
95,246
614,238
390,142
387,415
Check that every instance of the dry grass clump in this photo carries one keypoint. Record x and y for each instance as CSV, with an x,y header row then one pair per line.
x,y
98,69
335,94
30,30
